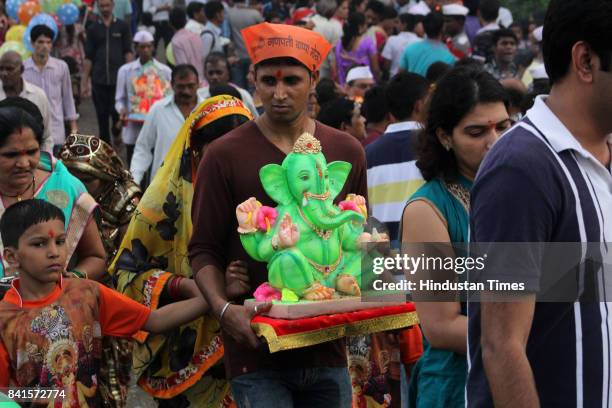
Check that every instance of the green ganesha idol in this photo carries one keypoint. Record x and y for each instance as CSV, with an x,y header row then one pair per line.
x,y
311,246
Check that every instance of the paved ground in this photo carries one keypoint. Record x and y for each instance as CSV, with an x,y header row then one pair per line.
x,y
87,121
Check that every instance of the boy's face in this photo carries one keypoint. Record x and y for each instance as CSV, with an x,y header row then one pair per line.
x,y
41,252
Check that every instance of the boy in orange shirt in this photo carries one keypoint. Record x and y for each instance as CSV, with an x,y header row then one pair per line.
x,y
51,328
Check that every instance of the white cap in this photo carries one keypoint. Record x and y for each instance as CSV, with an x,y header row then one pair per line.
x,y
455,10
537,33
143,37
359,73
419,9
539,72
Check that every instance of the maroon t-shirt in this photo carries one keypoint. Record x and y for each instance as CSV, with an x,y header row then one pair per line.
x,y
229,175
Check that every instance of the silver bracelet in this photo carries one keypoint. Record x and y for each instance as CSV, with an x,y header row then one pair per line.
x,y
224,309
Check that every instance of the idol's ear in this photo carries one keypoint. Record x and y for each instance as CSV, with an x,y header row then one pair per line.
x,y
274,180
338,173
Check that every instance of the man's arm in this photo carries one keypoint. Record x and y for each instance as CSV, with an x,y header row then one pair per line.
x,y
85,83
87,64
43,105
127,42
207,38
121,97
143,155
387,54
517,186
358,178
505,330
70,113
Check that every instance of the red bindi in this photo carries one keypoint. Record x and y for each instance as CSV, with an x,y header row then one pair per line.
x,y
279,74
51,234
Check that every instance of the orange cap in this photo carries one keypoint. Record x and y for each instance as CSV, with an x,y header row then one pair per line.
x,y
265,41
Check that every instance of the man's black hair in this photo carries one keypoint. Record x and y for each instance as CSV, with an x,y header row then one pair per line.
x,y
326,91
194,8
337,112
433,24
24,214
215,57
489,9
403,91
182,70
437,71
39,30
503,33
212,8
472,6
570,21
378,7
374,106
224,89
146,18
409,20
178,18
389,13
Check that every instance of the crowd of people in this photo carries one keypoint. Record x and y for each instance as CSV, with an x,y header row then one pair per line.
x,y
122,260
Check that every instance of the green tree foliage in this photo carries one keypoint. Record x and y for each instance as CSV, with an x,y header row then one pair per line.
x,y
522,9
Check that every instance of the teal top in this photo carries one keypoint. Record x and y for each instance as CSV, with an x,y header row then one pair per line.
x,y
64,191
438,378
418,57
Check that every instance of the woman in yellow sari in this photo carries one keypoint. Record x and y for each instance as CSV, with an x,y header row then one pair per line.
x,y
183,367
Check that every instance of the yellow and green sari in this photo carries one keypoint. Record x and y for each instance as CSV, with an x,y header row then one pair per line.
x,y
185,364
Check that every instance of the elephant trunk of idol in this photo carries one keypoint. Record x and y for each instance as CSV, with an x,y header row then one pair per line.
x,y
327,217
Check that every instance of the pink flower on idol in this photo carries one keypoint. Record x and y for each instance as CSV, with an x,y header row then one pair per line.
x,y
266,293
266,217
349,205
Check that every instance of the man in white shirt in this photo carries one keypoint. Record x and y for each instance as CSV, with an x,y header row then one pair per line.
x,y
160,10
396,44
488,12
359,80
196,17
212,41
457,40
12,84
164,121
216,70
143,44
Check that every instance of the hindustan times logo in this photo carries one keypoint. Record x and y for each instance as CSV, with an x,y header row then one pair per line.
x,y
412,264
